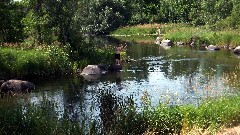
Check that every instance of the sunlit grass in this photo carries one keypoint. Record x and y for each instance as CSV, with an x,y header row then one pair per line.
x,y
16,61
185,33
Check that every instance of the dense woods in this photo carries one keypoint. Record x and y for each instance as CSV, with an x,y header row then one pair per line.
x,y
35,22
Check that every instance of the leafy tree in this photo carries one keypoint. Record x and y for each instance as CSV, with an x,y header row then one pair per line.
x,y
11,28
102,17
37,22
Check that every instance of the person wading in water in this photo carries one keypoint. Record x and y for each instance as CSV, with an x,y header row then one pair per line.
x,y
118,49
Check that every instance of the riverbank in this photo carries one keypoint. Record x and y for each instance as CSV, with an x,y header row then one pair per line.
x,y
20,61
51,60
185,33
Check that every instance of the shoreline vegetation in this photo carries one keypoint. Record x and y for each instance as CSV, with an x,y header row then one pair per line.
x,y
19,61
203,35
49,42
209,117
47,60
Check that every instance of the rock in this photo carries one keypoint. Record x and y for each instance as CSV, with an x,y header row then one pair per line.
x,y
115,68
166,42
90,77
180,43
1,82
17,86
212,48
236,50
93,72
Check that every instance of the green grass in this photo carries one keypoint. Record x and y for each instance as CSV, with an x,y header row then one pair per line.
x,y
15,61
136,30
50,60
209,116
184,33
17,118
121,117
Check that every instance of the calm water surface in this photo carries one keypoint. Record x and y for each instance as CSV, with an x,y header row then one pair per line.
x,y
179,75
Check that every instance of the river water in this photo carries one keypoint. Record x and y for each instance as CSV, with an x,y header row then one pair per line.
x,y
175,76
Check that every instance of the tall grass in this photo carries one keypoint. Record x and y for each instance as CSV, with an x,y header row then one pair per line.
x,y
23,118
208,117
121,116
150,29
202,35
48,61
185,33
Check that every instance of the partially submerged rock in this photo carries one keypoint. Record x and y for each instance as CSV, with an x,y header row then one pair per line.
x,y
16,86
93,72
180,43
236,50
166,42
212,47
114,68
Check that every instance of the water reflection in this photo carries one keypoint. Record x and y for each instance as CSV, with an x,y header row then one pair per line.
x,y
119,80
178,75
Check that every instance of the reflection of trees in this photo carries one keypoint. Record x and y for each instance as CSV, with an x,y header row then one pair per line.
x,y
179,61
102,40
182,68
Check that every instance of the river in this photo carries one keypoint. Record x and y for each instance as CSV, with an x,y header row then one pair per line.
x,y
175,76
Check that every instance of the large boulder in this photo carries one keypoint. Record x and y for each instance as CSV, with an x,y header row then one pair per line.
x,y
17,86
93,72
1,82
236,50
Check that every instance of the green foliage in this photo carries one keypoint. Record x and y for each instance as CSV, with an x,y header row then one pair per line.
x,y
168,119
17,118
201,35
11,29
165,120
50,60
213,113
135,31
120,116
45,22
102,16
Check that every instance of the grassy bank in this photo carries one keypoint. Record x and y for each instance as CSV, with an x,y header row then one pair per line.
x,y
33,62
185,33
120,117
49,60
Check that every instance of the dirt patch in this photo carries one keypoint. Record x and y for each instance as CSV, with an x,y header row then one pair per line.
x,y
230,131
